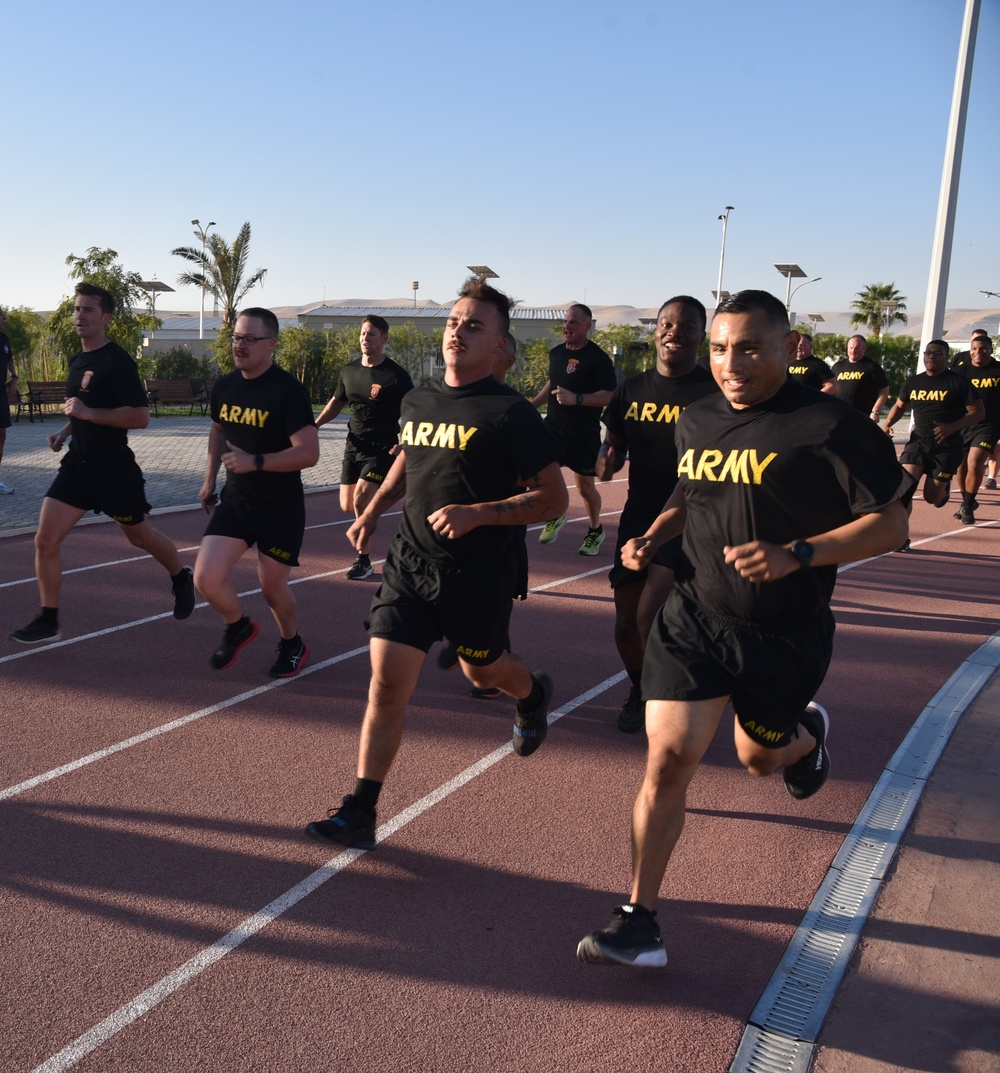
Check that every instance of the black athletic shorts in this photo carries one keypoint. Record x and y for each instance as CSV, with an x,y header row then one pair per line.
x,y
360,465
577,450
420,601
276,527
771,675
985,437
634,521
4,409
111,486
938,460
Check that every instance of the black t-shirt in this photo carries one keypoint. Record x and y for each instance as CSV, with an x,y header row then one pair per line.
x,y
644,410
935,400
799,464
985,382
375,393
583,372
859,383
5,358
472,444
811,371
104,379
259,416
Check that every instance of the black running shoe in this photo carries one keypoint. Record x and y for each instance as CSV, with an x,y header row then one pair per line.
x,y
360,569
966,517
806,776
531,727
236,637
632,717
183,593
349,825
905,546
447,657
632,938
291,658
37,631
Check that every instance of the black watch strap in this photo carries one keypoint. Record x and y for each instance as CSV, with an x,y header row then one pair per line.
x,y
258,461
803,551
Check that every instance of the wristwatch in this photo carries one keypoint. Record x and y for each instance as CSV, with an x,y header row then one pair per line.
x,y
258,461
803,551
579,400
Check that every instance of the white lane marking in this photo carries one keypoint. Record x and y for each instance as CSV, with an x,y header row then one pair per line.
x,y
175,724
165,728
142,1004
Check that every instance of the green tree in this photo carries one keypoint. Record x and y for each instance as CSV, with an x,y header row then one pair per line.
x,y
315,358
627,344
126,328
29,344
532,366
179,363
415,350
222,272
870,308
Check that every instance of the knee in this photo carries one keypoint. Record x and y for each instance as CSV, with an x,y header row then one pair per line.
x,y
760,762
205,580
275,592
46,544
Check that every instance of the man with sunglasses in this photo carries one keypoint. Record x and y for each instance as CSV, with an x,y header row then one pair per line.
x,y
263,432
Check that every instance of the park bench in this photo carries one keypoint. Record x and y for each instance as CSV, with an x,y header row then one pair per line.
x,y
190,393
40,393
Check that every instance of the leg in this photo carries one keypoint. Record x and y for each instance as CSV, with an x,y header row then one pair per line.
x,y
659,585
395,670
935,491
679,733
587,487
629,640
54,524
273,578
509,674
363,493
151,540
763,762
216,558
347,497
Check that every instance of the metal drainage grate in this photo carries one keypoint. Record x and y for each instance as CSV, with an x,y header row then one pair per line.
x,y
784,1025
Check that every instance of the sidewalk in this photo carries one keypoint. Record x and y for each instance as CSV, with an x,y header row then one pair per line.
x,y
171,452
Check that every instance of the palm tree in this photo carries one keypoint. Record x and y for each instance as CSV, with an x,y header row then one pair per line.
x,y
878,306
221,271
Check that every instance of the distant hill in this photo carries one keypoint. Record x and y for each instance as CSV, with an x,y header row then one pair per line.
x,y
958,323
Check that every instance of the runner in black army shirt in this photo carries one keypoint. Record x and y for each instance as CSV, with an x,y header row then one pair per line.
x,y
374,386
104,399
640,419
774,478
982,439
469,444
581,379
810,370
861,382
944,405
263,433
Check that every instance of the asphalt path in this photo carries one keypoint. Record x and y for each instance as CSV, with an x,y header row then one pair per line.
x,y
163,910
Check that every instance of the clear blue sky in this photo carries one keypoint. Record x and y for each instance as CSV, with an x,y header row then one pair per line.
x,y
583,150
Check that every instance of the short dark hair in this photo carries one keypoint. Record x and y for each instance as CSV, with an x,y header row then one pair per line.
x,y
857,336
265,315
749,301
686,300
805,335
939,342
585,310
91,290
980,331
480,291
377,322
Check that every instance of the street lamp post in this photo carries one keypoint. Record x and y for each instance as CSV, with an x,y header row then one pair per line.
x,y
889,306
202,233
788,307
724,217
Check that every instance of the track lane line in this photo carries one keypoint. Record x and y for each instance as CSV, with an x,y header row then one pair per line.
x,y
143,1003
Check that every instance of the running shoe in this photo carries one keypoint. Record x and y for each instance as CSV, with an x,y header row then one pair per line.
x,y
447,657
990,483
5,489
551,530
183,587
291,658
349,825
487,693
806,776
592,541
531,727
632,938
236,636
966,517
905,546
632,717
36,631
360,569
